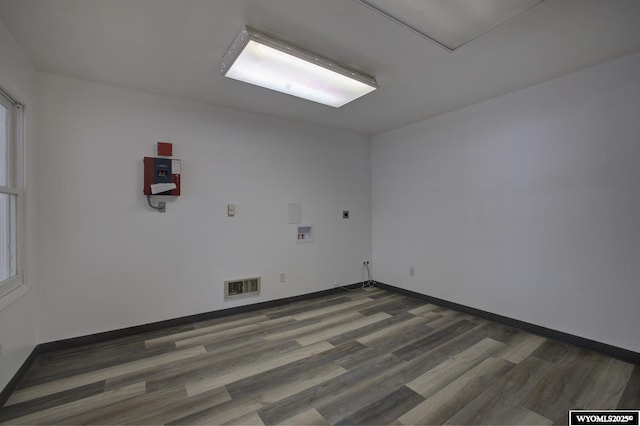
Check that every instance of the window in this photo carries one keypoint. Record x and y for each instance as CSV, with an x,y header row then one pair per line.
x,y
11,194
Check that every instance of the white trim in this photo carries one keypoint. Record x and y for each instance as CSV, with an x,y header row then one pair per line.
x,y
9,190
11,289
10,98
13,295
10,284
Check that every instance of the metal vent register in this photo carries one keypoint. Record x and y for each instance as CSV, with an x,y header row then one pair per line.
x,y
242,286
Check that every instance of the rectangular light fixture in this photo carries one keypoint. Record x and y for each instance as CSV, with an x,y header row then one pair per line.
x,y
260,59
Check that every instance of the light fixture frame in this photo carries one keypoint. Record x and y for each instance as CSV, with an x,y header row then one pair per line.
x,y
248,34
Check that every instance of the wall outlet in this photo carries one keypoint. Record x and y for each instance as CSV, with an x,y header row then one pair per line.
x,y
412,271
283,277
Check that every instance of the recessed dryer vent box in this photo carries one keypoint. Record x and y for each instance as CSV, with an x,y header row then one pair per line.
x,y
305,233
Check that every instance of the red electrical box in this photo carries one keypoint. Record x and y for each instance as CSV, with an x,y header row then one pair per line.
x,y
161,176
165,149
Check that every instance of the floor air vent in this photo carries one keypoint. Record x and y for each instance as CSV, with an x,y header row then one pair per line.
x,y
242,286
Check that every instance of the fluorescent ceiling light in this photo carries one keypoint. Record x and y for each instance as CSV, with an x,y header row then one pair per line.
x,y
259,59
450,23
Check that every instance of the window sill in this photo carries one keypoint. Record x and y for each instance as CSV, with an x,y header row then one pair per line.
x,y
13,296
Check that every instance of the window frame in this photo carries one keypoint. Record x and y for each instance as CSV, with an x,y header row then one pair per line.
x,y
14,287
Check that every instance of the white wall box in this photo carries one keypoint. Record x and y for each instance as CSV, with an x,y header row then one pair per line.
x,y
305,234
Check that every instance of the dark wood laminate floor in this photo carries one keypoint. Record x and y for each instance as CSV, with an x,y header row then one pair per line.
x,y
362,357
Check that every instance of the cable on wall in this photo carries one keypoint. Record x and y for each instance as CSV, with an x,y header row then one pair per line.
x,y
367,278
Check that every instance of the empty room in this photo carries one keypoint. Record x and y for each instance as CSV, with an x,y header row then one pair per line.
x,y
320,212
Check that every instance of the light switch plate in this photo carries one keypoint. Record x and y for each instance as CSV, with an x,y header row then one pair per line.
x,y
231,210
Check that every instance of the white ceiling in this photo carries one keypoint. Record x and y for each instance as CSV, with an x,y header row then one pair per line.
x,y
450,23
174,47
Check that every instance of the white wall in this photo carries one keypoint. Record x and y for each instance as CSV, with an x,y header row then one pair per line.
x,y
107,261
17,321
526,205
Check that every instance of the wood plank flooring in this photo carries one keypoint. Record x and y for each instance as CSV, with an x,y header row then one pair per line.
x,y
360,357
